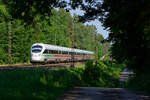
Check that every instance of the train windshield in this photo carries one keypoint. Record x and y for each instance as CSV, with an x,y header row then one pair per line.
x,y
36,49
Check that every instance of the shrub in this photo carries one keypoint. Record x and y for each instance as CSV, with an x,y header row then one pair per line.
x,y
39,84
99,74
140,82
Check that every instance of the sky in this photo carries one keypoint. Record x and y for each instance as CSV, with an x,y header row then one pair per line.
x,y
97,23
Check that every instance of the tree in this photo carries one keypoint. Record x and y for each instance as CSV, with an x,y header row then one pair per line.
x,y
29,9
56,29
129,24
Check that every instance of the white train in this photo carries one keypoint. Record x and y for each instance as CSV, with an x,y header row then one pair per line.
x,y
49,53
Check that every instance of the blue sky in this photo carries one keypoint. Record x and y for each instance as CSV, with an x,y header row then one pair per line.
x,y
98,24
99,27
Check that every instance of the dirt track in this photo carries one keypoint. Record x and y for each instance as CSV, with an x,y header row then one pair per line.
x,y
95,93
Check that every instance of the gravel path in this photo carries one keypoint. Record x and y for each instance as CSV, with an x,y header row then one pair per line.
x,y
125,75
95,93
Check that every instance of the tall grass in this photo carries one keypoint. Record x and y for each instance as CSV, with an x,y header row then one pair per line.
x,y
41,84
44,84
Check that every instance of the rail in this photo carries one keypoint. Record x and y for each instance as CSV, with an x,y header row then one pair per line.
x,y
35,66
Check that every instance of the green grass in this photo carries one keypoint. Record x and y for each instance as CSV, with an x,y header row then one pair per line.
x,y
43,84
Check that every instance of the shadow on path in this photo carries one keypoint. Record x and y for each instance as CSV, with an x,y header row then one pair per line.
x,y
96,93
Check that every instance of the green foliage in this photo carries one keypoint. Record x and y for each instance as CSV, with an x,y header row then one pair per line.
x,y
45,84
128,22
4,15
28,10
41,84
58,29
102,74
3,43
139,83
92,73
130,40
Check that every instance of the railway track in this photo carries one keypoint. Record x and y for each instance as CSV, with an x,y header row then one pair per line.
x,y
36,66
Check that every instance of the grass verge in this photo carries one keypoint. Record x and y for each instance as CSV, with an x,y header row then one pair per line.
x,y
44,84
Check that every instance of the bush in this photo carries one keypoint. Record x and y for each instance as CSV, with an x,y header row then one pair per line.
x,y
91,73
41,84
140,82
99,74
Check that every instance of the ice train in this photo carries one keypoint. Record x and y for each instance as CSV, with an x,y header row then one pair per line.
x,y
50,53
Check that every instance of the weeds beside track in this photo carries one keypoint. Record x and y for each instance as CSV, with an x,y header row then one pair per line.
x,y
35,66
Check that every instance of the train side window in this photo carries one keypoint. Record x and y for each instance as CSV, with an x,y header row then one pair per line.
x,y
59,52
64,52
50,51
45,52
75,53
53,52
70,53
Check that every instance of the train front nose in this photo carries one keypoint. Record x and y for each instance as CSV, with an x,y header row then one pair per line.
x,y
36,57
36,51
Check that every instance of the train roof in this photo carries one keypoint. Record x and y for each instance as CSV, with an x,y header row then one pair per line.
x,y
60,48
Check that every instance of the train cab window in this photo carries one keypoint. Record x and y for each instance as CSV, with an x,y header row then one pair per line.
x,y
37,46
45,52
36,49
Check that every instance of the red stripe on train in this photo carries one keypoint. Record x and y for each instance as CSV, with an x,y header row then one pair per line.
x,y
71,56
62,55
